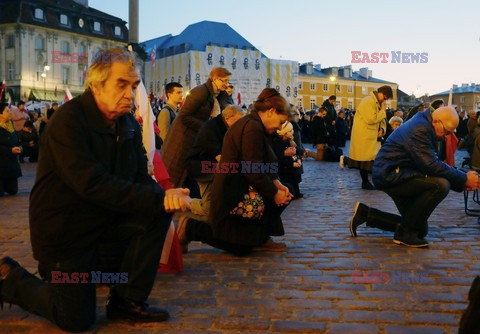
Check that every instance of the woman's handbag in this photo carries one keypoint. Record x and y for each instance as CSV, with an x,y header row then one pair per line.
x,y
251,207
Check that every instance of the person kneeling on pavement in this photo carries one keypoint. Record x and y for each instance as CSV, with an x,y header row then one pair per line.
x,y
93,185
247,196
408,169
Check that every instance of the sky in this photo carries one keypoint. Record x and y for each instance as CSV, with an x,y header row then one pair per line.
x,y
326,33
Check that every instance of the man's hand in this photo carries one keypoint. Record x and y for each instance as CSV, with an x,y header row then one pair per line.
x,y
177,199
16,150
472,180
380,133
218,157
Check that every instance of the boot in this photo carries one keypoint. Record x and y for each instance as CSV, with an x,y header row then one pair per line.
x,y
360,214
408,238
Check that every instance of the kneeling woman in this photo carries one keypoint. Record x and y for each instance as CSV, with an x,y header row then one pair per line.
x,y
246,144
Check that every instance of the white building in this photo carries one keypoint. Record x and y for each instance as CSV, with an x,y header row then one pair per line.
x,y
47,45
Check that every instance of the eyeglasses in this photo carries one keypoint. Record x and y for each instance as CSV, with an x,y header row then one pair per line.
x,y
447,132
224,81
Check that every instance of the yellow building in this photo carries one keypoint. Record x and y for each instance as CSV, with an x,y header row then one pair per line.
x,y
315,85
466,96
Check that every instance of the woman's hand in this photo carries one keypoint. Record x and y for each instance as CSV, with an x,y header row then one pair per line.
x,y
380,133
290,151
16,150
283,195
177,199
297,164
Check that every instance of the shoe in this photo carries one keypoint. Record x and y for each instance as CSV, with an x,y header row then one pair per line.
x,y
6,265
368,186
271,246
341,162
359,217
470,321
182,233
298,196
409,239
119,308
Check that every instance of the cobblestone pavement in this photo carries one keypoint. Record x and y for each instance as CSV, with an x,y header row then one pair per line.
x,y
309,288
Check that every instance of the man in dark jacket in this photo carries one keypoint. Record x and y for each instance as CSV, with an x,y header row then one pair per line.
x,y
331,117
408,169
92,185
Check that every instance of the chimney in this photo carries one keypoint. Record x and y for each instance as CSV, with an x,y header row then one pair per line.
x,y
133,21
464,85
365,72
83,3
455,86
309,68
318,67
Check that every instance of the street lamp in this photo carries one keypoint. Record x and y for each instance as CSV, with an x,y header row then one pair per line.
x,y
334,79
46,68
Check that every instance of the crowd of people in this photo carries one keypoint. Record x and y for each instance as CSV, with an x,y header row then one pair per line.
x,y
229,172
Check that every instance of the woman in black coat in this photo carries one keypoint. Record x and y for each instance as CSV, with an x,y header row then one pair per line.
x,y
246,143
9,150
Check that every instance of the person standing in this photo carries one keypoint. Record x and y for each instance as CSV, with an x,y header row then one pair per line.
x,y
200,106
369,125
174,92
9,150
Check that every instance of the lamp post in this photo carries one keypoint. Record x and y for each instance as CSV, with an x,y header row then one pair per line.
x,y
46,68
334,79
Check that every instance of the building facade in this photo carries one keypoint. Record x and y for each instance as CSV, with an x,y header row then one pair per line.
x,y
47,45
465,97
315,85
189,57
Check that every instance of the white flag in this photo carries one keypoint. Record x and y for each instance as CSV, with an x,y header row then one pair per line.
x,y
68,95
145,112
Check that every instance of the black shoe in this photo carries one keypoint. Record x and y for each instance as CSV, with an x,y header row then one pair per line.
x,y
409,239
359,217
470,322
368,186
423,231
6,265
298,196
123,309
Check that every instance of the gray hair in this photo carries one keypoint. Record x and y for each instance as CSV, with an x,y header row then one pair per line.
x,y
395,119
231,111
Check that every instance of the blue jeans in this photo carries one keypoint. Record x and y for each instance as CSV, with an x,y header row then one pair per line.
x,y
72,306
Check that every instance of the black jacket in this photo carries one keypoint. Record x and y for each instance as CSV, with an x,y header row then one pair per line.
x,y
319,131
9,166
207,146
88,174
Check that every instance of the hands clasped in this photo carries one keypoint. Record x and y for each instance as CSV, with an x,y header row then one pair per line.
x,y
177,199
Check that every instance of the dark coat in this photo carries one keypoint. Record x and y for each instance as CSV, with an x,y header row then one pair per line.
x,y
225,100
195,111
88,174
208,145
9,166
331,116
285,164
245,141
342,129
319,131
411,151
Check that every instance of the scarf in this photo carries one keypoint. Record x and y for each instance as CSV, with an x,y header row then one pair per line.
x,y
8,125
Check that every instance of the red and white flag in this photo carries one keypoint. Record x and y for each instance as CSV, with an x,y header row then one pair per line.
x,y
9,102
68,95
153,56
239,99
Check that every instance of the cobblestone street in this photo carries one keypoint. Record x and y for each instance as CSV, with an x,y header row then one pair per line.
x,y
309,288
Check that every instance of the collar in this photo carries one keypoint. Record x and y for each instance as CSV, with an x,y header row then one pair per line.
x,y
256,116
174,108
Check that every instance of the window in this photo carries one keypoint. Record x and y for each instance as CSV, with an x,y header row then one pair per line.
x,y
299,103
11,71
350,89
64,19
65,75
118,31
350,105
300,85
39,14
96,26
313,103
462,99
39,43
313,86
10,41
65,48
364,90
325,87
339,88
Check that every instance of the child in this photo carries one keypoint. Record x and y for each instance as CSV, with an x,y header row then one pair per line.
x,y
289,164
